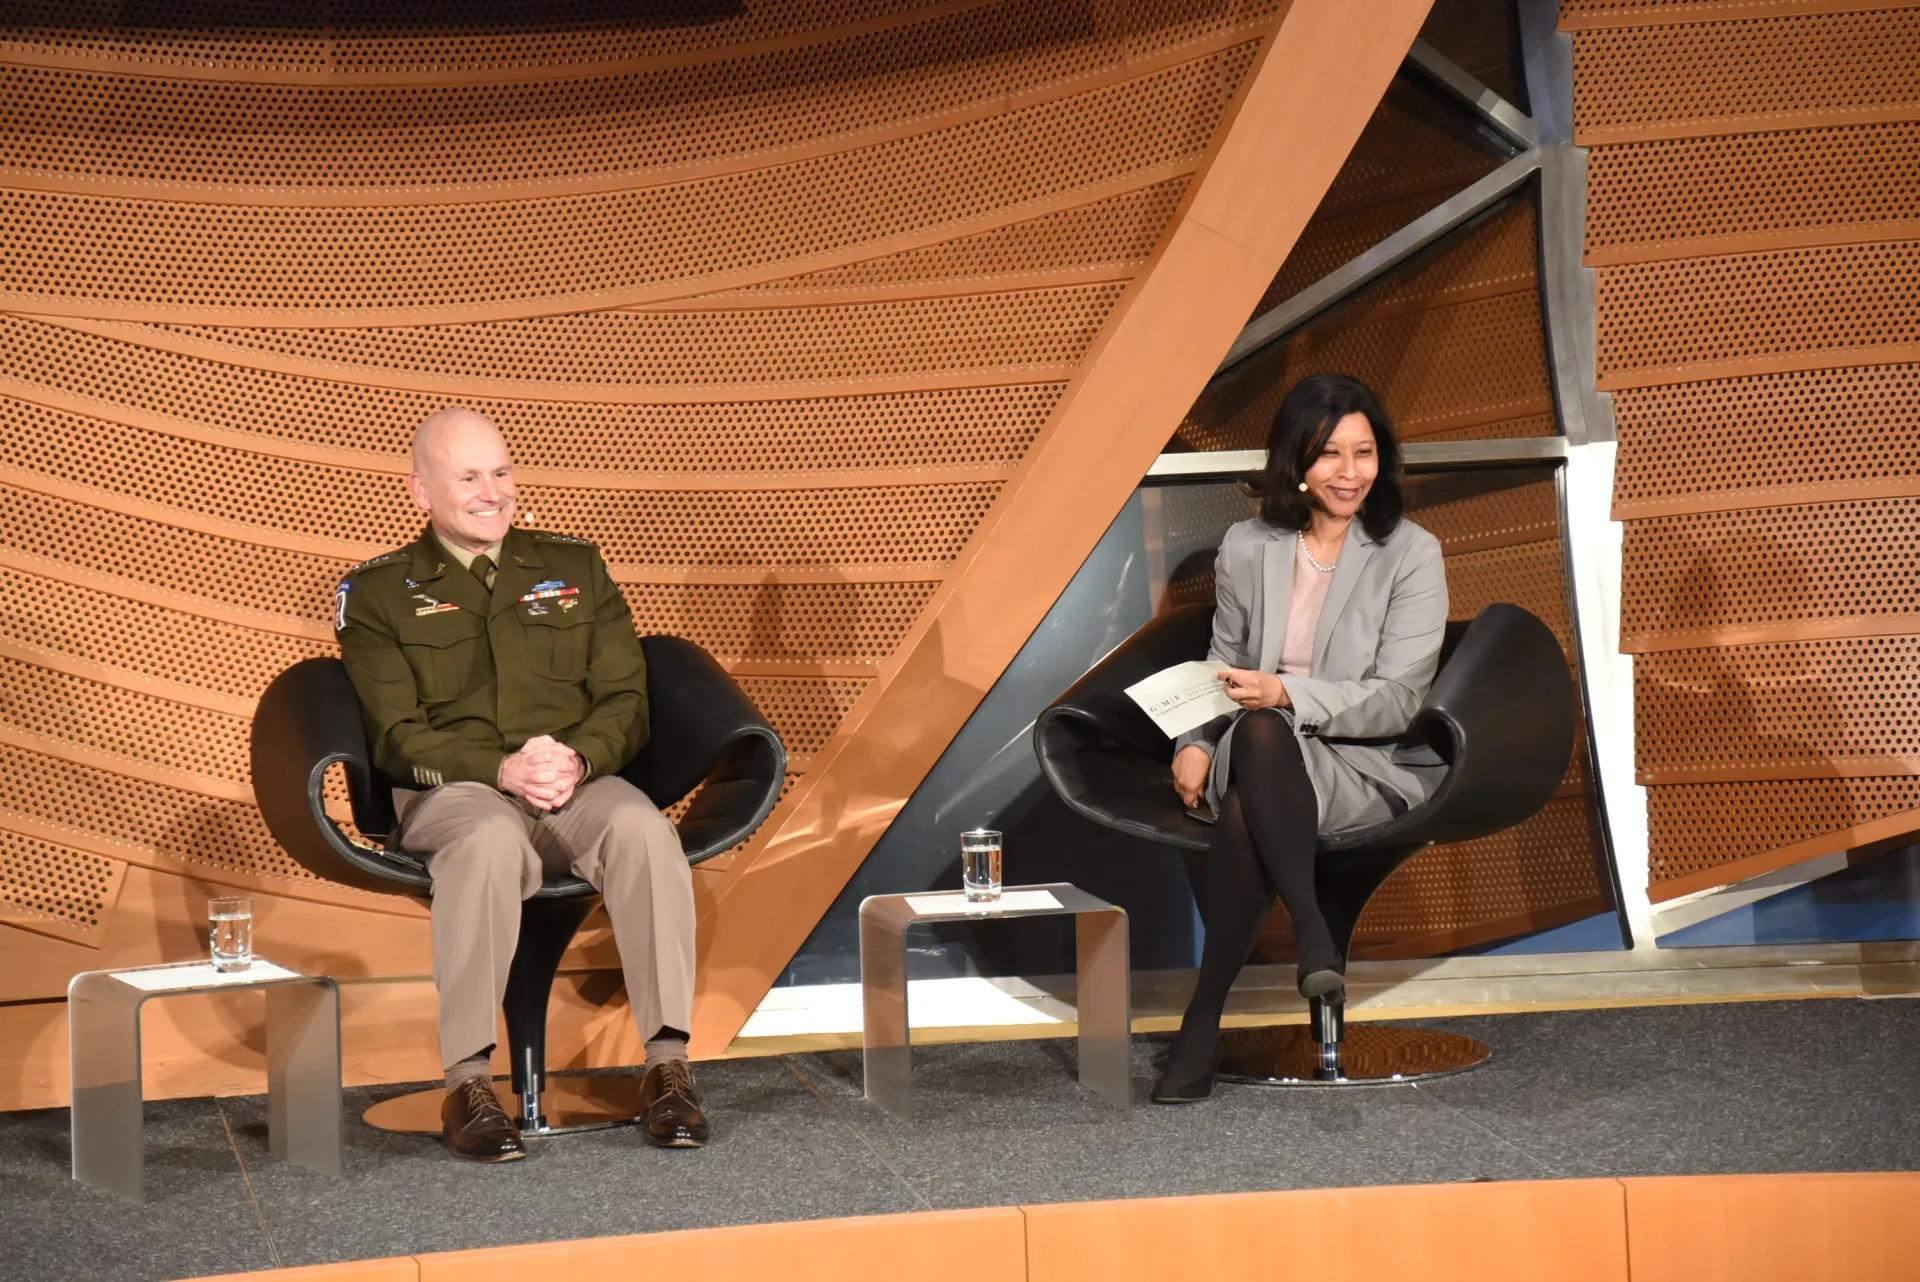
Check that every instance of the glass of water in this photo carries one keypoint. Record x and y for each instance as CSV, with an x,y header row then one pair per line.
x,y
980,864
232,922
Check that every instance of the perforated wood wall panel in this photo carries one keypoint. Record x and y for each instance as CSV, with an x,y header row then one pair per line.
x,y
1700,828
774,301
1756,191
1452,343
368,263
1479,39
56,890
1775,439
1411,157
1776,66
1752,216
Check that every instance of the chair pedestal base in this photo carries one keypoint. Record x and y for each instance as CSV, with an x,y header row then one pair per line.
x,y
1368,1055
568,1105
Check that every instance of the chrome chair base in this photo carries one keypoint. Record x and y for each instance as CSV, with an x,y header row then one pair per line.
x,y
567,1106
1368,1055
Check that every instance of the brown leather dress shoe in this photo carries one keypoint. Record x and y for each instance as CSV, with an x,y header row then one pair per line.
x,y
673,1116
475,1125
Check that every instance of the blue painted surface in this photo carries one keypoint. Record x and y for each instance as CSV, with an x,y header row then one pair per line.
x,y
1875,900
1599,933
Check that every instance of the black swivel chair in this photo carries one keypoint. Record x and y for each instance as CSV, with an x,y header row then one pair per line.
x,y
705,733
1501,713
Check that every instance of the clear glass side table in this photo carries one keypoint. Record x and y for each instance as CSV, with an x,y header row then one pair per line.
x,y
103,1044
1103,994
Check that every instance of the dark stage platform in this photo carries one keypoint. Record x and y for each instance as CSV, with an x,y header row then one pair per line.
x,y
1826,1085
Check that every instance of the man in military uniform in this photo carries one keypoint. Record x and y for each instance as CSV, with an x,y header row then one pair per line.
x,y
499,672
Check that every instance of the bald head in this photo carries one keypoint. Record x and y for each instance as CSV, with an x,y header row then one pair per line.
x,y
453,425
463,478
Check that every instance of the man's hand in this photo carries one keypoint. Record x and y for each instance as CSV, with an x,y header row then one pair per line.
x,y
1190,766
1252,689
544,772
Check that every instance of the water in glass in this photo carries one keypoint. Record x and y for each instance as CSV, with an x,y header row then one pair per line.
x,y
980,864
232,922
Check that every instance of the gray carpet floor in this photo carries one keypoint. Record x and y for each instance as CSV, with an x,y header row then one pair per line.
x,y
1750,1087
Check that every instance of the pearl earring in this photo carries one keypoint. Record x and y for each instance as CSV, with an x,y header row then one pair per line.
x,y
1303,487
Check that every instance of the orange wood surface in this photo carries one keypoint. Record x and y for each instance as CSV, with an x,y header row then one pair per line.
x,y
403,1268
1749,1228
1775,1228
965,1246
1568,1230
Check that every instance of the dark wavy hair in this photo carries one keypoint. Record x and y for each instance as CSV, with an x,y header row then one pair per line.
x,y
1301,430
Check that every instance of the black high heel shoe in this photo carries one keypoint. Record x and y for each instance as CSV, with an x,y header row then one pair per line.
x,y
1323,977
1187,1077
1327,983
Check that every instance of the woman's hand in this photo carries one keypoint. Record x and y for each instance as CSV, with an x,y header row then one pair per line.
x,y
1190,766
1252,689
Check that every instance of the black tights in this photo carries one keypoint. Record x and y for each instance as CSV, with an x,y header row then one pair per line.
x,y
1263,844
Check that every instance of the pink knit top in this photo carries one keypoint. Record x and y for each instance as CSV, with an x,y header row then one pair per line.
x,y
1303,614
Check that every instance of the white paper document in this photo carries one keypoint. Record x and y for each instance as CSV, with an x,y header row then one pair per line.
x,y
163,979
955,903
1183,696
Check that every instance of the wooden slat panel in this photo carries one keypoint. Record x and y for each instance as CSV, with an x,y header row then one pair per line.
x,y
941,1246
1571,1230
1773,1228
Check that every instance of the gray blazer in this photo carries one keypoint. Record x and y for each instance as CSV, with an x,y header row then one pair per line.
x,y
1375,653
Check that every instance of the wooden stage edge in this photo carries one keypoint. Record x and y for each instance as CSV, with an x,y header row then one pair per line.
x,y
1755,1228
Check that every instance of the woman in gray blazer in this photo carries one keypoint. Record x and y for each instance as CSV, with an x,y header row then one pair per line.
x,y
1329,612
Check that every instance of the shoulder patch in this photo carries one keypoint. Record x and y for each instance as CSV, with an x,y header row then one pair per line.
x,y
340,605
395,555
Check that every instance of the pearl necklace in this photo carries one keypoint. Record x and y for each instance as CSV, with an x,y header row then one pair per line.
x,y
1312,560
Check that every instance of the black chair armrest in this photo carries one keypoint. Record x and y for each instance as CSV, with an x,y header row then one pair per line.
x,y
1178,636
1501,713
1103,754
704,730
308,719
1509,702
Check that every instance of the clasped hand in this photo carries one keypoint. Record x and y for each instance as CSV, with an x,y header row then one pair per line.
x,y
545,772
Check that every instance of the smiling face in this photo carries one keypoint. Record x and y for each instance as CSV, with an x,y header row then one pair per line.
x,y
463,479
1339,480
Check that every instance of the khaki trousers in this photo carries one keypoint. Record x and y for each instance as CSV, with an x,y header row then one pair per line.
x,y
487,851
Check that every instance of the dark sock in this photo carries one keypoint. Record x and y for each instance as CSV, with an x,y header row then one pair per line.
x,y
668,1043
480,1065
1282,816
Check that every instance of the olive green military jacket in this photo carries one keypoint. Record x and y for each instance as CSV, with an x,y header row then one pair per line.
x,y
452,678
